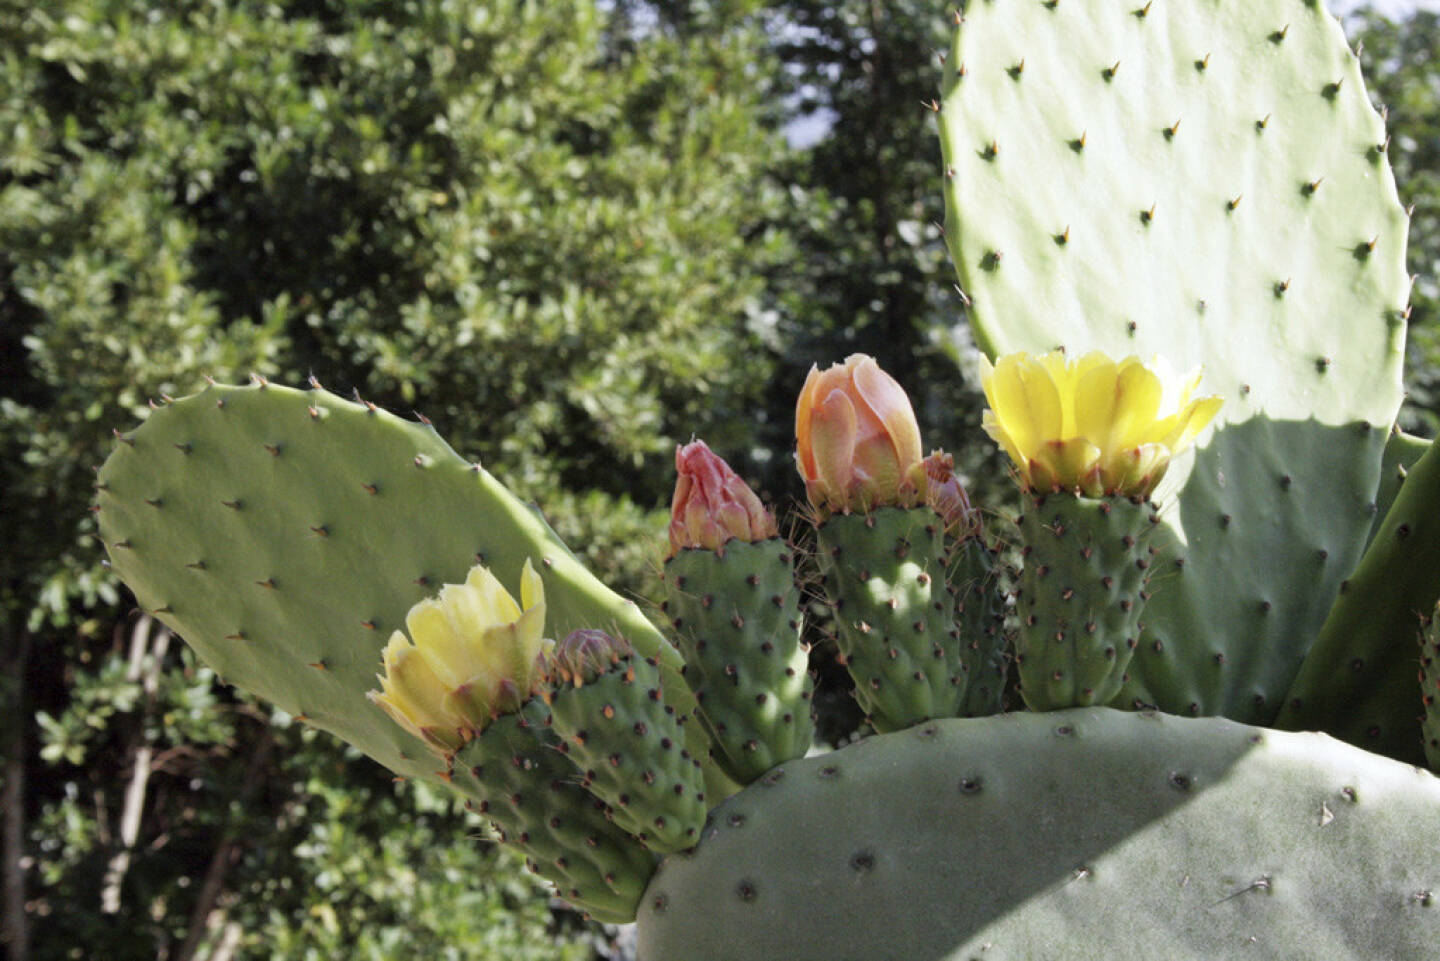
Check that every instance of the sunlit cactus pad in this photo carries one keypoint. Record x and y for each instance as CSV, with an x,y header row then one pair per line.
x,y
1204,180
285,534
1085,835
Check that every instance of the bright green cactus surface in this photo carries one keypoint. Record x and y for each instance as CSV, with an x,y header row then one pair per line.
x,y
285,534
514,775
1085,835
629,751
736,618
895,614
1082,596
1205,180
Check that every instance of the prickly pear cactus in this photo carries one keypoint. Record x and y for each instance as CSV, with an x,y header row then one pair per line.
x,y
515,776
629,750
896,612
1202,178
1370,631
1082,592
1067,836
278,532
1206,180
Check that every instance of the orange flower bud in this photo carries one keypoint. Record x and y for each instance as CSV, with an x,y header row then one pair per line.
x,y
857,443
712,504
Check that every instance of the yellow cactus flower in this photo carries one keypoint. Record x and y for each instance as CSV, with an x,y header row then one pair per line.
x,y
476,654
1093,425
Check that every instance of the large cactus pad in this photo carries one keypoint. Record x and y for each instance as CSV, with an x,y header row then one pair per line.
x,y
1205,180
285,534
1086,835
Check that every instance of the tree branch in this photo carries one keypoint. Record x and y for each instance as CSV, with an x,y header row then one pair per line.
x,y
226,853
142,752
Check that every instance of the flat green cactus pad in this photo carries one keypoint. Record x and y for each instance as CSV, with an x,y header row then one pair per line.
x,y
1205,180
285,534
1084,835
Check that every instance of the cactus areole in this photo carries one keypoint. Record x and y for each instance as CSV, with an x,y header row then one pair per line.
x,y
1170,710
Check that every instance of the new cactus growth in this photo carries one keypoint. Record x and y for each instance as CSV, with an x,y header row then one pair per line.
x,y
624,740
514,775
1090,440
883,551
735,610
287,535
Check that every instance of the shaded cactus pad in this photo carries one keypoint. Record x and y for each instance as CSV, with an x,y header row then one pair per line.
x,y
1084,835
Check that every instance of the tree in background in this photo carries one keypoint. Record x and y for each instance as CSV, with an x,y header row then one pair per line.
x,y
544,230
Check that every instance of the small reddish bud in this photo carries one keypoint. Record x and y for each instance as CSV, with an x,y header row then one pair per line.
x,y
584,655
712,504
946,496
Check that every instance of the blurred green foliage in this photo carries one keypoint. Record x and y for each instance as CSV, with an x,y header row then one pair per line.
x,y
572,235
543,227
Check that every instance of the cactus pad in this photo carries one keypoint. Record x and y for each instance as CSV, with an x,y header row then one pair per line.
x,y
630,752
1359,681
515,776
736,616
895,611
1084,835
1081,598
1206,180
284,534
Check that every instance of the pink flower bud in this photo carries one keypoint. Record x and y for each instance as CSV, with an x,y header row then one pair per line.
x,y
947,498
857,443
712,504
583,655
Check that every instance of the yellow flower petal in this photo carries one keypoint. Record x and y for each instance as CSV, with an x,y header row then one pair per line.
x,y
474,653
1092,425
1026,402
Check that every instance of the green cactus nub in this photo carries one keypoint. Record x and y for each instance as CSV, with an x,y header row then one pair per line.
x,y
736,616
1083,587
515,777
885,576
628,746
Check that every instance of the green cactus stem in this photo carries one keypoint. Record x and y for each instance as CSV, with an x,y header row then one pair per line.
x,y
625,741
736,618
1358,682
895,611
1081,214
1083,835
1083,588
284,535
514,775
